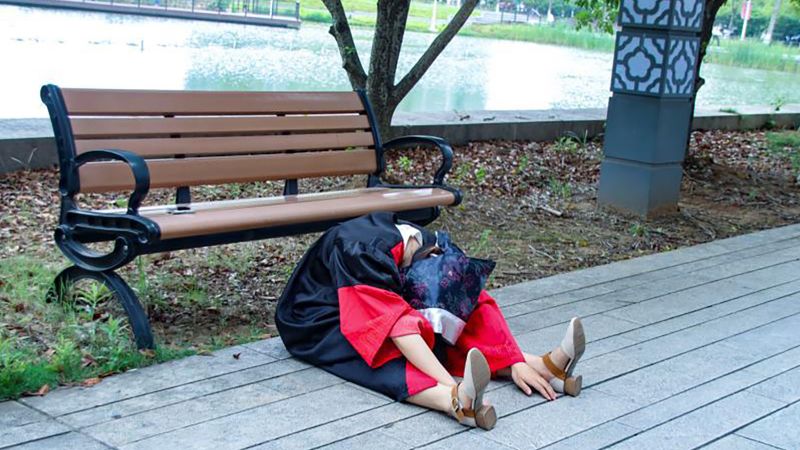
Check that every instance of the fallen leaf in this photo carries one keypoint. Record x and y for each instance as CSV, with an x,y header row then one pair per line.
x,y
41,392
89,382
148,352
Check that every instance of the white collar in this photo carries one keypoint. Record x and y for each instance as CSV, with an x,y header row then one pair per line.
x,y
408,232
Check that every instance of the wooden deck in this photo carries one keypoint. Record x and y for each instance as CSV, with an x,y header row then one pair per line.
x,y
698,347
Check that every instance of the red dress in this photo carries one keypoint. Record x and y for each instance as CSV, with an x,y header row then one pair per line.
x,y
486,330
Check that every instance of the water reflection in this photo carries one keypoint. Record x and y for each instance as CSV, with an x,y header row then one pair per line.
x,y
83,49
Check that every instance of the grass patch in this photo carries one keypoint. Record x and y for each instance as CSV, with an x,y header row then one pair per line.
x,y
786,145
544,34
85,340
560,189
755,55
21,370
314,11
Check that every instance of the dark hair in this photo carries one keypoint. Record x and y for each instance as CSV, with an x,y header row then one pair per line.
x,y
424,252
428,245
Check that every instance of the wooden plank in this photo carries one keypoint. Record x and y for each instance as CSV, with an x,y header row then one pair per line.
x,y
705,425
204,408
594,277
689,400
147,380
124,102
229,145
70,440
271,421
161,398
93,128
116,176
642,304
292,212
780,429
660,282
31,432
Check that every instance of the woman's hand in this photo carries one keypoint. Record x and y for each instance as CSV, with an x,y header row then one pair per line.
x,y
526,378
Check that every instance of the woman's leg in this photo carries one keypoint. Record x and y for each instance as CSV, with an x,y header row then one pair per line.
x,y
436,398
417,352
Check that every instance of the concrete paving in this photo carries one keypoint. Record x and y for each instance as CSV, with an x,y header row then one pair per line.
x,y
695,348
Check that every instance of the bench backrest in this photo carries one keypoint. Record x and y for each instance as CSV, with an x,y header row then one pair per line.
x,y
204,138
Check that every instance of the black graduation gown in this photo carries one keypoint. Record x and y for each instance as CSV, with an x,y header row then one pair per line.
x,y
342,301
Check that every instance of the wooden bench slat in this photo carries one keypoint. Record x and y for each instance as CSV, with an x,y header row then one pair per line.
x,y
291,211
125,102
84,128
222,145
164,173
154,210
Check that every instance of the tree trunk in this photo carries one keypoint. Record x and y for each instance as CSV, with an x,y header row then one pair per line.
x,y
386,46
390,26
383,119
709,16
771,27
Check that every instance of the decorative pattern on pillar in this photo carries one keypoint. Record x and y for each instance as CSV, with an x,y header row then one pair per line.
x,y
652,82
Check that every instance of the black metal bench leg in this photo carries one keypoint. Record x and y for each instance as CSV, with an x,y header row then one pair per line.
x,y
140,325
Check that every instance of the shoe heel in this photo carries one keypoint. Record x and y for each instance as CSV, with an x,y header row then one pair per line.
x,y
572,386
579,344
486,417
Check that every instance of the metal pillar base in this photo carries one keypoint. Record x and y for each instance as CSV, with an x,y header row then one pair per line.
x,y
645,190
645,144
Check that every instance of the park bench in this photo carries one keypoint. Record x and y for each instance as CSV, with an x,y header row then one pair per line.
x,y
135,140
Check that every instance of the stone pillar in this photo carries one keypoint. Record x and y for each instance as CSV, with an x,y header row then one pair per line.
x,y
649,113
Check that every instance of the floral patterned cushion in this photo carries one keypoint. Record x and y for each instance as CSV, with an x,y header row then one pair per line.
x,y
451,281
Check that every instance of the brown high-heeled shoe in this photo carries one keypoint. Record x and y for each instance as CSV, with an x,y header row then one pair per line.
x,y
573,345
476,377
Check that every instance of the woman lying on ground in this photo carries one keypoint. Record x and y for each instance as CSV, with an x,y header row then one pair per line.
x,y
343,311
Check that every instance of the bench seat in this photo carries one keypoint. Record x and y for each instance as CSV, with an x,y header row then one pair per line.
x,y
248,214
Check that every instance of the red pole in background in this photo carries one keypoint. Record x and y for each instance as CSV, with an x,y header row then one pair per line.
x,y
747,8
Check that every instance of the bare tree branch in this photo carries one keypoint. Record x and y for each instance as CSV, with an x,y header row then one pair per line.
x,y
436,47
340,30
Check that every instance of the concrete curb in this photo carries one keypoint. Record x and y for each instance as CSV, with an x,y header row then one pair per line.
x,y
28,143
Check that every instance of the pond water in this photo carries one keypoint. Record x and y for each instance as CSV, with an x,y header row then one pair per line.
x,y
84,49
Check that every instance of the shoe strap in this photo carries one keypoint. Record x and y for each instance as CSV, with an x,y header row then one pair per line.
x,y
457,409
553,368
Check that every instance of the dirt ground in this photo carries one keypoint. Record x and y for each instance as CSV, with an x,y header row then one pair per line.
x,y
529,206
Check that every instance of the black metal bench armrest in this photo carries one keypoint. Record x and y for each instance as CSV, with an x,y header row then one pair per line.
x,y
441,144
141,174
